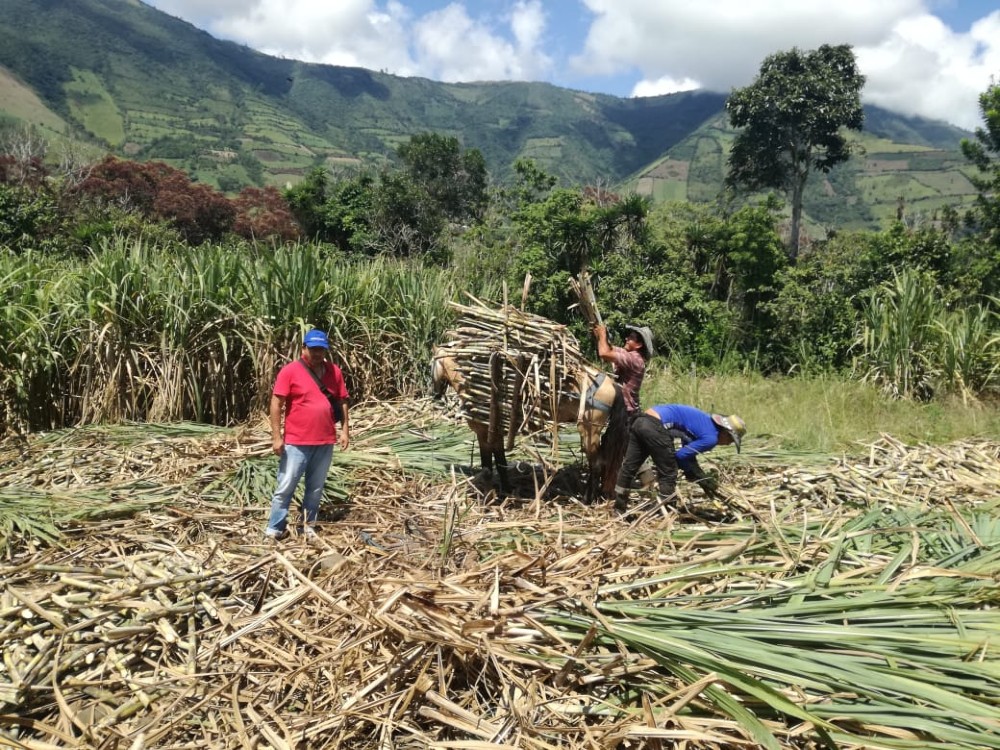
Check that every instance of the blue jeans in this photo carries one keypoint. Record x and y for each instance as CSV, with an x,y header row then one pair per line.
x,y
311,461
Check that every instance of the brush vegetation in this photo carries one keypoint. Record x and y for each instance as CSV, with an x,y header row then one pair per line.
x,y
132,293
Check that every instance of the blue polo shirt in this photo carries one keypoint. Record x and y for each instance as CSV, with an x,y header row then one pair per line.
x,y
700,432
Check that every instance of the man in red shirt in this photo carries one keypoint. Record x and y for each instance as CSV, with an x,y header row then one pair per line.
x,y
629,361
305,393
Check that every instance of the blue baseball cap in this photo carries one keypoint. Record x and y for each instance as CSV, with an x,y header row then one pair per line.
x,y
315,338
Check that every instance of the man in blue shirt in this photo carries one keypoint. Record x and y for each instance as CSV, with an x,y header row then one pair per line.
x,y
652,435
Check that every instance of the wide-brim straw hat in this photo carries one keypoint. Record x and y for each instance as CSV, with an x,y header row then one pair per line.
x,y
647,339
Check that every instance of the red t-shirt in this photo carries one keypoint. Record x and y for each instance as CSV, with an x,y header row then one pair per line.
x,y
308,416
630,368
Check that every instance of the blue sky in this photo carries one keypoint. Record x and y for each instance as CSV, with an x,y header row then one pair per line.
x,y
921,57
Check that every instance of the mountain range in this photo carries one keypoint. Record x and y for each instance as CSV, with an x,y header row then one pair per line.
x,y
123,77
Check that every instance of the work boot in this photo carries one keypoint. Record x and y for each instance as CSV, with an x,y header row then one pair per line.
x,y
621,500
668,497
273,535
645,478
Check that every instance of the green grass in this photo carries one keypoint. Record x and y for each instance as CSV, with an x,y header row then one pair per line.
x,y
878,189
92,105
878,146
946,183
828,414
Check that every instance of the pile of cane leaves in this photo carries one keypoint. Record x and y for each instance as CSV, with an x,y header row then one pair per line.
x,y
840,602
890,637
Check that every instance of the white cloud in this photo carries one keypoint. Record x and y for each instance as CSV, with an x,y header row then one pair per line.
x,y
445,44
664,85
722,43
346,32
527,22
913,63
201,13
452,46
924,68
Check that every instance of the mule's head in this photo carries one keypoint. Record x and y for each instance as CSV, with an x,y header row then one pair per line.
x,y
603,424
598,392
444,373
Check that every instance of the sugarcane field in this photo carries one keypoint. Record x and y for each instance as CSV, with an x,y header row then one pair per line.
x,y
824,601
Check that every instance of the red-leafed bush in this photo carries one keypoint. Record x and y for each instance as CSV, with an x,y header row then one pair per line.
x,y
263,214
159,192
127,184
197,211
29,173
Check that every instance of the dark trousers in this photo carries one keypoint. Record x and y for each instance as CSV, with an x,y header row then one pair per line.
x,y
649,438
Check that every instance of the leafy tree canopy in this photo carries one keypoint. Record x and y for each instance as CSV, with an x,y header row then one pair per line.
x,y
791,118
984,152
455,179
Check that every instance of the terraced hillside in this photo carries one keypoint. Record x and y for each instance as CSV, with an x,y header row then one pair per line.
x,y
143,84
120,76
882,179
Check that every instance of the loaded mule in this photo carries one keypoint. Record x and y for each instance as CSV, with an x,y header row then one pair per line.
x,y
587,396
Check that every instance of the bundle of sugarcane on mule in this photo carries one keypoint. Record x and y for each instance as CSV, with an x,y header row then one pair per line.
x,y
515,372
518,373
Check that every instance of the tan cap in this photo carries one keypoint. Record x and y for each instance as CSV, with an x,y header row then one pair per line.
x,y
733,425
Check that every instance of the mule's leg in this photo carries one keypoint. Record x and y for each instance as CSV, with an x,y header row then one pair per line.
x,y
482,438
590,441
491,454
501,459
488,454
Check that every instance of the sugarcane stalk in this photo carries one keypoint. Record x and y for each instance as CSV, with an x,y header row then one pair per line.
x,y
584,291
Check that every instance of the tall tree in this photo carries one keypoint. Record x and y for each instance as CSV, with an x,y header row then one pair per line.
x,y
984,152
455,179
792,117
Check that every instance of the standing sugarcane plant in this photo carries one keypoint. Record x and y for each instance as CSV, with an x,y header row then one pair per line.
x,y
911,344
897,336
970,349
143,331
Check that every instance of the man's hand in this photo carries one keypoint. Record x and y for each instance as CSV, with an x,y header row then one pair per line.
x,y
275,409
345,429
710,485
604,350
